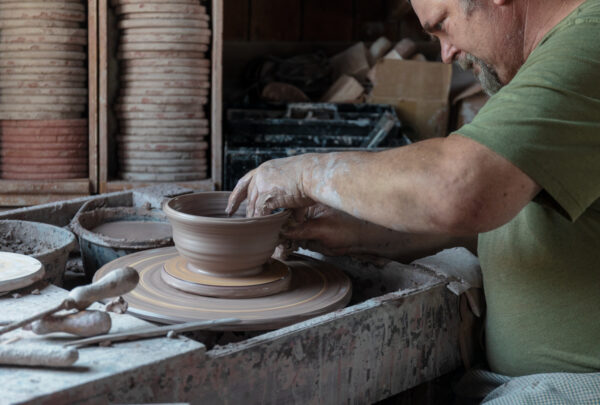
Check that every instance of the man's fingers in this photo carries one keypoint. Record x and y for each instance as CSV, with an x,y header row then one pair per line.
x,y
252,197
239,193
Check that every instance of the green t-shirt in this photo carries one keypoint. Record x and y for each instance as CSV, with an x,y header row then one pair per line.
x,y
541,271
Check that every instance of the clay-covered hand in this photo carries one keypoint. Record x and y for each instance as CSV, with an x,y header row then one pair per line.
x,y
328,231
274,184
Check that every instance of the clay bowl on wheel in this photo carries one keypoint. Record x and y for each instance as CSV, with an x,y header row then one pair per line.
x,y
216,244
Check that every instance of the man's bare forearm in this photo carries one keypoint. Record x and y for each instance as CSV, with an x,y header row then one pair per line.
x,y
406,247
450,186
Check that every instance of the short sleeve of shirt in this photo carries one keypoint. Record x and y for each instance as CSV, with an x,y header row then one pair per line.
x,y
546,121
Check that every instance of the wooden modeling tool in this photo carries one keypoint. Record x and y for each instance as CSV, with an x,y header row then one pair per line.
x,y
118,282
83,323
37,355
153,332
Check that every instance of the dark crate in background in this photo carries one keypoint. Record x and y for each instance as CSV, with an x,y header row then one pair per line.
x,y
255,135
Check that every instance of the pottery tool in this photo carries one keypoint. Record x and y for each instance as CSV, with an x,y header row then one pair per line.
x,y
82,323
154,331
315,289
120,281
24,354
18,271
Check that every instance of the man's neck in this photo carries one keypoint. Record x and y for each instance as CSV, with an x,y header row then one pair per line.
x,y
541,16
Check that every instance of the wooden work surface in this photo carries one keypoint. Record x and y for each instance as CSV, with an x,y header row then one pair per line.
x,y
99,369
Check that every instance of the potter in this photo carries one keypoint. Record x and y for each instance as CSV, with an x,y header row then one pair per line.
x,y
519,184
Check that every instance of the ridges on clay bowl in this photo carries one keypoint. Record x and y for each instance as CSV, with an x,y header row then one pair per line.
x,y
219,245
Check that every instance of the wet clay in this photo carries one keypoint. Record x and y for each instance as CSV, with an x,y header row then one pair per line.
x,y
218,246
135,231
315,289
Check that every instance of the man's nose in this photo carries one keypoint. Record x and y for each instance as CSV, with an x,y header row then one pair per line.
x,y
449,52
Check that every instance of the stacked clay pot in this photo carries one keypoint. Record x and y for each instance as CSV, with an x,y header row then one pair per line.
x,y
43,89
164,69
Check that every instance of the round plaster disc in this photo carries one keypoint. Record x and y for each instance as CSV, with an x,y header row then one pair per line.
x,y
18,271
38,22
165,8
126,154
158,108
166,16
45,123
46,5
42,31
128,91
162,100
180,32
134,77
116,3
178,133
41,13
79,41
37,115
125,55
42,99
12,47
44,70
274,279
66,55
163,38
162,23
159,115
41,137
36,91
175,132
46,161
198,123
166,177
21,168
162,147
126,167
44,146
132,70
42,107
28,62
157,47
73,80
160,138
316,288
35,153
9,84
162,62
43,176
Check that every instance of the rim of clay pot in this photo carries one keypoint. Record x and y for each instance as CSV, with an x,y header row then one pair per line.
x,y
171,211
64,239
83,221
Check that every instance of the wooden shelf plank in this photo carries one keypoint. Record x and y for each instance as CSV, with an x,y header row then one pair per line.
x,y
58,187
118,185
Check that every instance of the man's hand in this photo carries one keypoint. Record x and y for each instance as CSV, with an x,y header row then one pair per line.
x,y
326,230
334,233
274,184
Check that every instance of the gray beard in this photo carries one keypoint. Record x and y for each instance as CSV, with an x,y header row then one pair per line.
x,y
490,82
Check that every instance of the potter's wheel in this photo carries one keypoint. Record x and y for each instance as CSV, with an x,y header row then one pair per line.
x,y
314,288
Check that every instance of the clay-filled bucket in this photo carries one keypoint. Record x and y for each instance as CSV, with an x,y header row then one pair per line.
x,y
218,245
49,244
98,249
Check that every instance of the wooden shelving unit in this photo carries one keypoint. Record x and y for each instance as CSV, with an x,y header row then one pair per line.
x,y
31,192
106,79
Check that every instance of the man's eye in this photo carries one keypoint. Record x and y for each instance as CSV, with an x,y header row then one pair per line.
x,y
439,26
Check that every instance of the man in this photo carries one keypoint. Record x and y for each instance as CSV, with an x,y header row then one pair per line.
x,y
524,177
